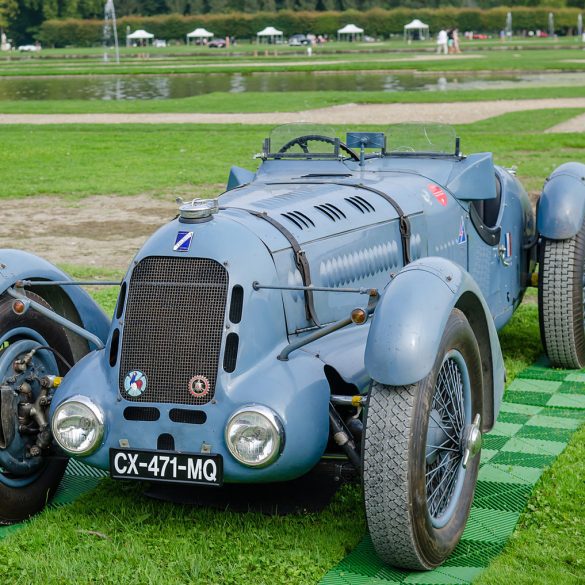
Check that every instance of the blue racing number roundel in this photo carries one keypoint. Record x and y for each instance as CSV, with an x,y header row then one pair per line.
x,y
135,383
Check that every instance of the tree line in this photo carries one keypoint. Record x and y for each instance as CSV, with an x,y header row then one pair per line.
x,y
22,19
376,22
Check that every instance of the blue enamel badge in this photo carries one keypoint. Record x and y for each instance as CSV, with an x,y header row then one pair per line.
x,y
183,241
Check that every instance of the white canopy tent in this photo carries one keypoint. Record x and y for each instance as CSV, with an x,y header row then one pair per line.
x,y
350,32
140,35
269,35
199,34
416,29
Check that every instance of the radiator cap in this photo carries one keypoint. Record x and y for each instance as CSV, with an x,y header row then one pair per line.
x,y
197,208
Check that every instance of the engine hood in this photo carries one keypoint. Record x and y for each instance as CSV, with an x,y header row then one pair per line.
x,y
317,207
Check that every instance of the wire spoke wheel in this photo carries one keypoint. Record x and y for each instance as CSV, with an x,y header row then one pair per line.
x,y
416,491
448,419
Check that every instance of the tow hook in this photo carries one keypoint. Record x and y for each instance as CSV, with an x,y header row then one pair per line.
x,y
473,440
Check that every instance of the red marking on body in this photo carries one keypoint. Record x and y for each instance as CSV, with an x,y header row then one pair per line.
x,y
438,194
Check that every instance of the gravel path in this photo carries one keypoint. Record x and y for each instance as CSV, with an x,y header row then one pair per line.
x,y
450,113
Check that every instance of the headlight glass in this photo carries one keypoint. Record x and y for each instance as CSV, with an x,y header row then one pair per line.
x,y
254,436
78,425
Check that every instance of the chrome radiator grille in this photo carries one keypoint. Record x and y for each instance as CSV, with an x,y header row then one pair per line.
x,y
173,327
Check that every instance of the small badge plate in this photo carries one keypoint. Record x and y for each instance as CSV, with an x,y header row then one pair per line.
x,y
183,241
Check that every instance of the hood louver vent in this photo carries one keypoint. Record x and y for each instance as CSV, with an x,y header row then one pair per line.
x,y
361,204
301,220
332,212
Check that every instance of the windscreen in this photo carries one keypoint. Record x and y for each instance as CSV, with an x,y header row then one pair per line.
x,y
420,138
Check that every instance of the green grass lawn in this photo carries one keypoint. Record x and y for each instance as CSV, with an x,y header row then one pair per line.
x,y
76,161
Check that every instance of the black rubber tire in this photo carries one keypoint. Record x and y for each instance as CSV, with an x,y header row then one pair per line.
x,y
560,300
394,463
18,504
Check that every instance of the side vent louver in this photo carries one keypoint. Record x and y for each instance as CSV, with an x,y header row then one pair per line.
x,y
360,203
301,220
230,355
332,212
236,304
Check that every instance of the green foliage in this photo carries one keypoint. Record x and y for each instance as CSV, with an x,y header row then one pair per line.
x,y
295,19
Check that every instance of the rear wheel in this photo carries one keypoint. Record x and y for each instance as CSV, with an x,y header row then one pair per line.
x,y
417,491
29,471
561,300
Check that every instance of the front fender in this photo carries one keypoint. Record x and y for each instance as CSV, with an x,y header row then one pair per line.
x,y
71,302
561,207
410,319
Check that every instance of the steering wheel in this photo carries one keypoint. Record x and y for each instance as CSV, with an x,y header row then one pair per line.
x,y
302,142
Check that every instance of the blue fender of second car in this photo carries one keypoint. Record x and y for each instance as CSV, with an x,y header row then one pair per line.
x,y
561,207
409,321
18,265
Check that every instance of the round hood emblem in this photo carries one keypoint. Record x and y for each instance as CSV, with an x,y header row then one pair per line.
x,y
135,383
199,386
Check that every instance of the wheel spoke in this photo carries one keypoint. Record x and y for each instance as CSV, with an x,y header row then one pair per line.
x,y
450,471
454,422
456,385
443,428
444,448
447,492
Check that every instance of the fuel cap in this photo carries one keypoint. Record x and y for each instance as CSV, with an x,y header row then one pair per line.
x,y
197,209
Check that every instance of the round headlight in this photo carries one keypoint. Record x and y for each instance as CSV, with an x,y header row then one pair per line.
x,y
78,425
255,436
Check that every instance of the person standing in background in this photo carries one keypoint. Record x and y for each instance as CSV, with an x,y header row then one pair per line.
x,y
442,40
456,48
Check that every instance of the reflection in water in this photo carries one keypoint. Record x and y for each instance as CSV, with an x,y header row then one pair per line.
x,y
237,83
128,87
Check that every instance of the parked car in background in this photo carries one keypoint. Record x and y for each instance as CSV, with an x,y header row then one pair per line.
x,y
217,44
298,40
29,48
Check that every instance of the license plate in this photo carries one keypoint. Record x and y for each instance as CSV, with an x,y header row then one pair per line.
x,y
166,466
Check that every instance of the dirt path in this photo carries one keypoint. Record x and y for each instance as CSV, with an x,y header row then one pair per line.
x,y
576,124
102,231
450,113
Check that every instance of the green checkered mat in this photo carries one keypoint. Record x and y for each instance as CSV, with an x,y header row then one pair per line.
x,y
78,479
541,409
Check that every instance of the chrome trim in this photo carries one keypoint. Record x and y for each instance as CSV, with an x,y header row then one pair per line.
x,y
95,410
272,418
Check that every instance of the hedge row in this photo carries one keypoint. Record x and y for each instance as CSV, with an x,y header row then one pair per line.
x,y
376,22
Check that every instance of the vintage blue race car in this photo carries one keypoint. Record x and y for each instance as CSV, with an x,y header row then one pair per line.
x,y
341,303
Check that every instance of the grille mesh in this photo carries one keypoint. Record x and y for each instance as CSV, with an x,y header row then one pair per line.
x,y
173,327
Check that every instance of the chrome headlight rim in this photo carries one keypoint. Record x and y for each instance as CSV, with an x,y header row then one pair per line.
x,y
272,418
96,412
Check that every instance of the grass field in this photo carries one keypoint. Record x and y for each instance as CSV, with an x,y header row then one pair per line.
x,y
114,534
77,161
515,58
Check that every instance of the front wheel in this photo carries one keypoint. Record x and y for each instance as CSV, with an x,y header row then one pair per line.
x,y
417,491
32,350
